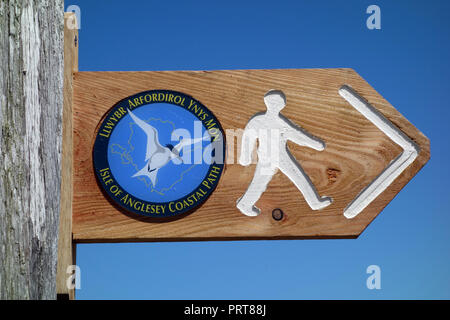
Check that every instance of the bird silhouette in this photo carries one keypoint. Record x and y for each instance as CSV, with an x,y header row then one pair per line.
x,y
157,156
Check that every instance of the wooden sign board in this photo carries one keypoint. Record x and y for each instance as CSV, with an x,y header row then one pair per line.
x,y
371,151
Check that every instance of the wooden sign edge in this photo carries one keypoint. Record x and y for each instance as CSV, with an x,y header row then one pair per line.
x,y
66,246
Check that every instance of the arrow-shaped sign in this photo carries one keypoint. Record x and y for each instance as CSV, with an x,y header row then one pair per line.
x,y
342,152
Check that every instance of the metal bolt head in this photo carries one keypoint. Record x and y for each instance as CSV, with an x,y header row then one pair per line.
x,y
277,214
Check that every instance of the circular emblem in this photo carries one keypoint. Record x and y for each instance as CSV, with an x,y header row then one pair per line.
x,y
159,153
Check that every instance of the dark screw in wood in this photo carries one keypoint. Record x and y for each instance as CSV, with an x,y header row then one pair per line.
x,y
277,214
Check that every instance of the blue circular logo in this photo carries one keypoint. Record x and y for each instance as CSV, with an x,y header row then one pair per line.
x,y
159,153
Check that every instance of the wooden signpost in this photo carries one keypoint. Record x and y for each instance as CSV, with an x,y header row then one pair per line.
x,y
366,152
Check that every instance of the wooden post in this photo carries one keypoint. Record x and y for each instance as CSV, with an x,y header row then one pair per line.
x,y
66,250
31,99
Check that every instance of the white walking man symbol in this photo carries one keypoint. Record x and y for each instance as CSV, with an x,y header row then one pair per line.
x,y
273,130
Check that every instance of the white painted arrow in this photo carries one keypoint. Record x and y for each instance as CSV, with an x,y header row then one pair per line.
x,y
394,169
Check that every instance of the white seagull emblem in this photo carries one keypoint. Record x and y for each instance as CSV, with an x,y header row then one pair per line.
x,y
156,155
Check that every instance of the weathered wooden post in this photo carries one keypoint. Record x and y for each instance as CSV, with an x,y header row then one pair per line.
x,y
31,104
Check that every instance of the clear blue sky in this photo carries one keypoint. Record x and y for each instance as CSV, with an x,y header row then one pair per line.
x,y
407,61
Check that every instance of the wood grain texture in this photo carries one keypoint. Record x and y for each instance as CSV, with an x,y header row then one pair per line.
x,y
65,257
356,153
31,101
